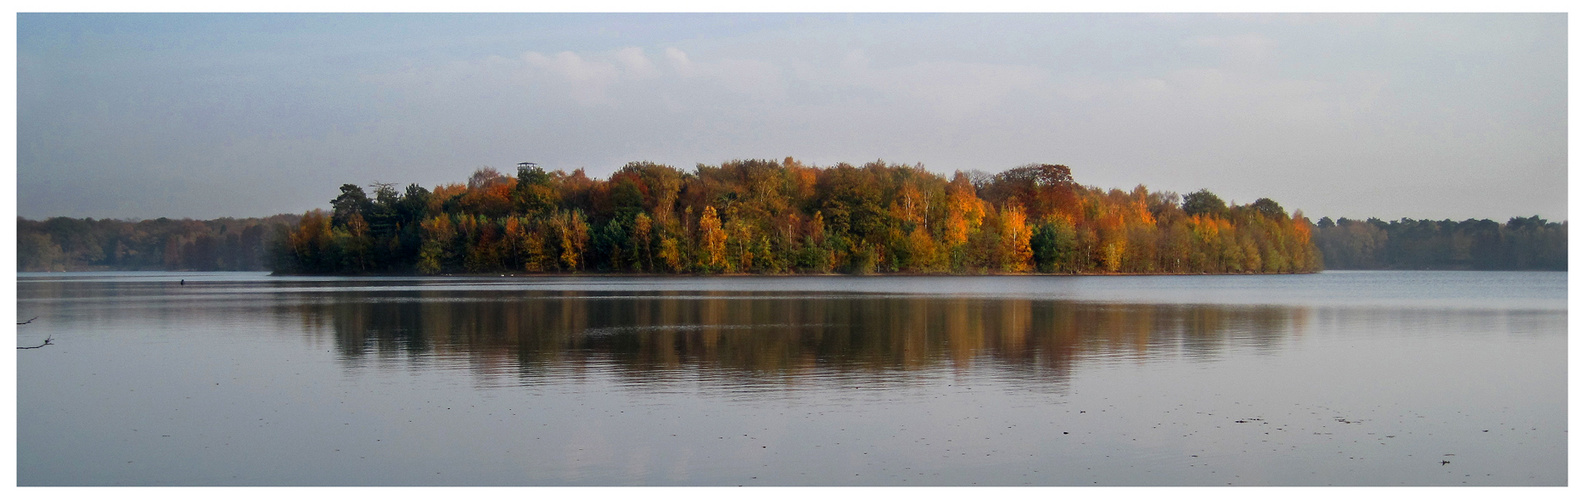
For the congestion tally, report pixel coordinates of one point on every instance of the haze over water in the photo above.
(1339, 378)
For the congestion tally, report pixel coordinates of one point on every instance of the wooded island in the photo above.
(769, 217)
(784, 217)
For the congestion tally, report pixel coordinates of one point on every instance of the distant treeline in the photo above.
(67, 244)
(763, 216)
(766, 217)
(1520, 244)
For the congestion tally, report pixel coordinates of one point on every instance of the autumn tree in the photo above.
(713, 241)
(766, 216)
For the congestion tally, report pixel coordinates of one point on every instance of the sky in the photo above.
(139, 116)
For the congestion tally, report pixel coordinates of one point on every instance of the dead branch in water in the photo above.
(47, 341)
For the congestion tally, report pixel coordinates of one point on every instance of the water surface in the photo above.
(1340, 378)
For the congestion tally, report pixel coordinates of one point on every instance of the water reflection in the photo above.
(766, 335)
(863, 382)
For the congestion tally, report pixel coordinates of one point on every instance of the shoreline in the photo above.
(783, 275)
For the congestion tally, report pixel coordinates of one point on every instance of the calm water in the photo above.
(1341, 378)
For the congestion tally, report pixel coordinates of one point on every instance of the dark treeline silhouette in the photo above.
(1519, 244)
(761, 216)
(67, 244)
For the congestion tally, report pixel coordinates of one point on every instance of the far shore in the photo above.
(760, 275)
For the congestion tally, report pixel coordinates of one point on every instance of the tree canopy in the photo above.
(768, 216)
(776, 217)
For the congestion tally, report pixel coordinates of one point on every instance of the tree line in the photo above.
(1519, 244)
(770, 217)
(227, 244)
(760, 216)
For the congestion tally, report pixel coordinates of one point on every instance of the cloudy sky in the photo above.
(1423, 116)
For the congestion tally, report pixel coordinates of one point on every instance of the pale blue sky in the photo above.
(1422, 116)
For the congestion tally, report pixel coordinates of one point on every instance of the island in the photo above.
(771, 217)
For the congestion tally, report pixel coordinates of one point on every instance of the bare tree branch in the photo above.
(47, 341)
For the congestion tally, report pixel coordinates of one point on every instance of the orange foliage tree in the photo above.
(784, 216)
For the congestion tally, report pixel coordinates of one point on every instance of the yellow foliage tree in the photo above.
(713, 241)
(965, 211)
(1014, 239)
(924, 254)
(572, 235)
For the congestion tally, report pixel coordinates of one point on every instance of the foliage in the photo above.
(766, 216)
(1204, 202)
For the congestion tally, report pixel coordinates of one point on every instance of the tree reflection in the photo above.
(643, 336)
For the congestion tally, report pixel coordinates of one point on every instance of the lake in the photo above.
(1338, 378)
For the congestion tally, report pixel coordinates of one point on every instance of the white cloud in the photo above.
(744, 77)
(587, 80)
(1206, 99)
(636, 64)
(678, 59)
(951, 88)
(569, 65)
(966, 87)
